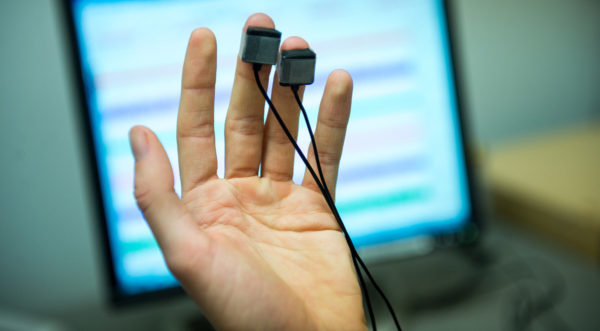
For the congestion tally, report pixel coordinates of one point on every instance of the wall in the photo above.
(46, 238)
(529, 66)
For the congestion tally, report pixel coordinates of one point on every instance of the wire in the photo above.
(326, 194)
(331, 203)
(329, 199)
(362, 284)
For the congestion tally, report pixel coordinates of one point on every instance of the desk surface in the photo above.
(485, 296)
(478, 296)
(551, 184)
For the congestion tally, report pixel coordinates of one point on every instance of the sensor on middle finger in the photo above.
(260, 45)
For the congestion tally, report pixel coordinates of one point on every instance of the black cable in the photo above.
(335, 211)
(331, 204)
(256, 68)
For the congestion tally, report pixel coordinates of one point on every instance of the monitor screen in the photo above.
(402, 172)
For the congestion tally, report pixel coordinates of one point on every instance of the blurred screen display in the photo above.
(402, 171)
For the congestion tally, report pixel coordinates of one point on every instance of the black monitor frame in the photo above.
(116, 297)
(465, 238)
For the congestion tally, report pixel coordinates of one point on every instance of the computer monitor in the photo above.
(403, 176)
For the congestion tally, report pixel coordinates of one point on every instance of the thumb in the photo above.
(153, 185)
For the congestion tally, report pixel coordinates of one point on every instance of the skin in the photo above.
(254, 251)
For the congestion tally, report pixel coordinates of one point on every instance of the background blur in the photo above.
(530, 69)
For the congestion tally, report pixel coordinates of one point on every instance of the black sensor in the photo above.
(260, 45)
(296, 67)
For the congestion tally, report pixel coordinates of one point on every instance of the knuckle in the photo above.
(143, 196)
(327, 158)
(277, 143)
(199, 130)
(277, 174)
(246, 126)
(335, 120)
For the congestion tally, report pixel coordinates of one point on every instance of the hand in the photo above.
(254, 252)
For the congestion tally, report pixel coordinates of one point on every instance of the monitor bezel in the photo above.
(473, 226)
(117, 297)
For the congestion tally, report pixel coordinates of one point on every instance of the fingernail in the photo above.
(139, 143)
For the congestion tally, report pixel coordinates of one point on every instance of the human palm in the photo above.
(254, 252)
(275, 249)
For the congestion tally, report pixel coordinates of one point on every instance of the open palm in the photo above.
(254, 252)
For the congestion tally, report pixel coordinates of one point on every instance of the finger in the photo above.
(153, 185)
(245, 116)
(195, 120)
(278, 153)
(334, 113)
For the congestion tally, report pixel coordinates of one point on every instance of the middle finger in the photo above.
(245, 116)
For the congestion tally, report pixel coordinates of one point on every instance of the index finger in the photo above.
(195, 120)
